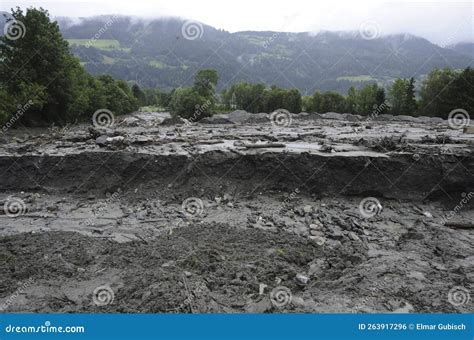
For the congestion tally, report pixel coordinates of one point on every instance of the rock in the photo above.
(332, 115)
(174, 121)
(239, 116)
(301, 229)
(468, 129)
(404, 118)
(307, 209)
(353, 236)
(261, 306)
(143, 140)
(425, 119)
(335, 232)
(428, 214)
(316, 232)
(216, 119)
(316, 268)
(350, 117)
(301, 279)
(131, 121)
(412, 235)
(383, 117)
(101, 140)
(117, 140)
(319, 240)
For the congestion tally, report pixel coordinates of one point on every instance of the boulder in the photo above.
(404, 118)
(216, 119)
(332, 115)
(174, 121)
(239, 116)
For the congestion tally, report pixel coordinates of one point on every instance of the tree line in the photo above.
(442, 91)
(42, 83)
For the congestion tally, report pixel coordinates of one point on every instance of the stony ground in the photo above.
(347, 215)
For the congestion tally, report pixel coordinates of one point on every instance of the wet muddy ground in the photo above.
(318, 215)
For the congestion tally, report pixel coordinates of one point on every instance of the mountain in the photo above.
(156, 53)
(464, 48)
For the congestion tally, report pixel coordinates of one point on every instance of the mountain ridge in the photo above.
(156, 53)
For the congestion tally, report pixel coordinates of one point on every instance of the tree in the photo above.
(205, 82)
(245, 96)
(367, 99)
(316, 102)
(436, 91)
(332, 102)
(351, 100)
(47, 76)
(409, 101)
(188, 103)
(397, 94)
(117, 95)
(292, 101)
(39, 69)
(138, 94)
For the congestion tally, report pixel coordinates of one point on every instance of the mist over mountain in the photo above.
(156, 53)
(464, 48)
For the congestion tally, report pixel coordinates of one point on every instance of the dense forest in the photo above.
(43, 83)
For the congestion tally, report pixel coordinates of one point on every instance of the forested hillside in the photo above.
(156, 54)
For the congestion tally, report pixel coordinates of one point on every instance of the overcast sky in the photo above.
(443, 22)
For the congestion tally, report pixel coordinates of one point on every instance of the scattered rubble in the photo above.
(211, 216)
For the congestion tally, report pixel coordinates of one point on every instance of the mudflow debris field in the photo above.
(238, 213)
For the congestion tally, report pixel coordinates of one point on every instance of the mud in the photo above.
(189, 218)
